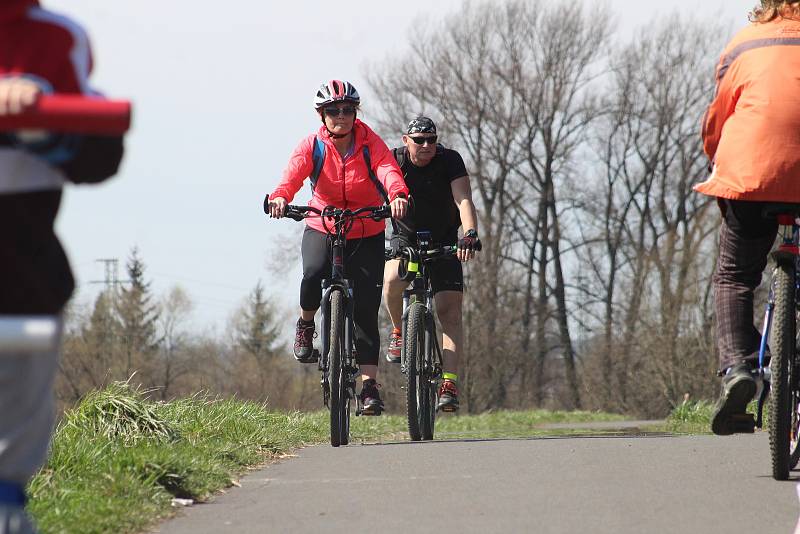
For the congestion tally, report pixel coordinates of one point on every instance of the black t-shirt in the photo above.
(435, 209)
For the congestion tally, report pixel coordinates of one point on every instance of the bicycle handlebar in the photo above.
(298, 213)
(432, 254)
(446, 250)
(76, 114)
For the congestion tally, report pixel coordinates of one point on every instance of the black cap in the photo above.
(421, 125)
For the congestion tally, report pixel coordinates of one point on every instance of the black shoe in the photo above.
(371, 403)
(304, 342)
(448, 397)
(730, 413)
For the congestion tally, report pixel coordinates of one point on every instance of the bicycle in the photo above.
(337, 362)
(421, 355)
(780, 379)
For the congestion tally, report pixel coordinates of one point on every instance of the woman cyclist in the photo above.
(344, 182)
(750, 133)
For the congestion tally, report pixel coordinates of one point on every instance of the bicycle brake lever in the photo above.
(294, 215)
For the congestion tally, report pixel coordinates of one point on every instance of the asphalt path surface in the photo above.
(584, 484)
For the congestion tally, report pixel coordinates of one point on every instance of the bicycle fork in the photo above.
(763, 374)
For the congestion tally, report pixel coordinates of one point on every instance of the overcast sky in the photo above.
(222, 95)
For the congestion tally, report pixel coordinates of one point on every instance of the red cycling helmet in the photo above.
(336, 91)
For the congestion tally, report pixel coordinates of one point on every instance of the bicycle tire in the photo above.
(427, 386)
(413, 347)
(783, 348)
(338, 399)
(794, 437)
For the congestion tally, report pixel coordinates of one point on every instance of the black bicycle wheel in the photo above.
(338, 400)
(414, 347)
(427, 387)
(794, 438)
(783, 348)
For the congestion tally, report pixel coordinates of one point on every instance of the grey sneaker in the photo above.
(304, 342)
(730, 413)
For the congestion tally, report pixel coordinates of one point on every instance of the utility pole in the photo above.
(111, 274)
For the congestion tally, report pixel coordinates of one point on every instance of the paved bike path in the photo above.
(598, 484)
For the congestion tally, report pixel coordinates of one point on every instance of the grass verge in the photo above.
(117, 460)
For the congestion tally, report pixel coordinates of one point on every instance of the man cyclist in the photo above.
(750, 133)
(439, 185)
(42, 53)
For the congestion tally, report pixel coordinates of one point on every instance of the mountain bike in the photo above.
(781, 378)
(421, 355)
(337, 362)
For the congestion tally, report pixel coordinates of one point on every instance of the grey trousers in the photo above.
(746, 238)
(26, 412)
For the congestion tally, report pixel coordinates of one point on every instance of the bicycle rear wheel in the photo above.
(339, 404)
(427, 386)
(781, 411)
(414, 347)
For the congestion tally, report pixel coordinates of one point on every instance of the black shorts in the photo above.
(446, 275)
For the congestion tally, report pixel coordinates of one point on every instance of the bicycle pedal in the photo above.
(744, 423)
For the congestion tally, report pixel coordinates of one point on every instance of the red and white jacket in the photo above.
(344, 184)
(35, 277)
(54, 51)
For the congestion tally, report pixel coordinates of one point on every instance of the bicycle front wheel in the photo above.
(414, 348)
(781, 410)
(340, 413)
(427, 385)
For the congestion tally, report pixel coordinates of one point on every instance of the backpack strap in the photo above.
(378, 185)
(372, 176)
(318, 157)
(399, 155)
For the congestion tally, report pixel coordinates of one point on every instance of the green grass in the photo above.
(690, 417)
(117, 460)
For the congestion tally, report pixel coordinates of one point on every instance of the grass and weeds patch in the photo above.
(690, 417)
(118, 460)
(508, 424)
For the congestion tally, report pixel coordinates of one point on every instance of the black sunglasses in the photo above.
(421, 140)
(338, 112)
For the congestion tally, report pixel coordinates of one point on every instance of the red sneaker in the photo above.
(448, 397)
(395, 346)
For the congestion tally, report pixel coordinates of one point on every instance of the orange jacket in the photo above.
(344, 184)
(751, 130)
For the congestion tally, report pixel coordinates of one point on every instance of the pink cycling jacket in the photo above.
(344, 184)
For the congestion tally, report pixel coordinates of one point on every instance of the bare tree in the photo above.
(644, 229)
(176, 307)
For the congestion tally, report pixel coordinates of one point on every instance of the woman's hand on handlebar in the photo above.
(277, 207)
(17, 94)
(399, 207)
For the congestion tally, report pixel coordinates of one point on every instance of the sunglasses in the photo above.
(338, 112)
(422, 140)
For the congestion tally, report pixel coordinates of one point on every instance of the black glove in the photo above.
(470, 241)
(398, 242)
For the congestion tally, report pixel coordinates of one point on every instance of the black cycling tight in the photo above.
(364, 268)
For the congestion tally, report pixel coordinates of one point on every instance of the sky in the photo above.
(222, 95)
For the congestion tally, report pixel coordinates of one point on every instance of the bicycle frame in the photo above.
(788, 250)
(420, 288)
(337, 281)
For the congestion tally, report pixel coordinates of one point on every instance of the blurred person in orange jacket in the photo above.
(751, 133)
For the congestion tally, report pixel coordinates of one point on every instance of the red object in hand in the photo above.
(76, 114)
